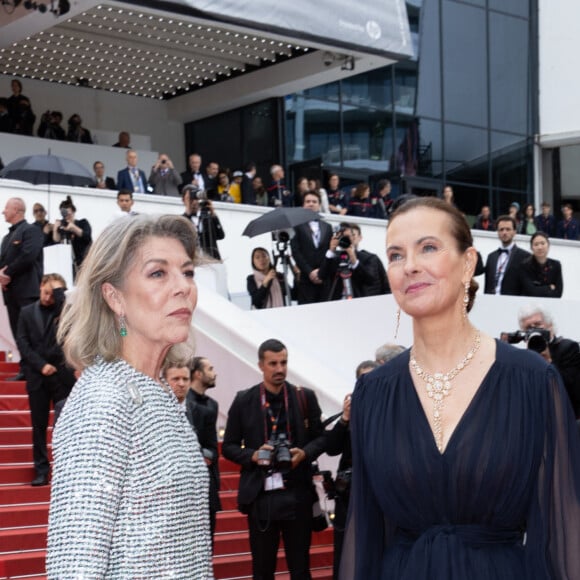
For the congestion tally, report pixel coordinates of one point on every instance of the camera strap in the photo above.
(274, 419)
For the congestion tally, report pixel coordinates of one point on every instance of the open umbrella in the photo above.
(280, 218)
(49, 169)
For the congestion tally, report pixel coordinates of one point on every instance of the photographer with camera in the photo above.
(537, 330)
(201, 212)
(274, 432)
(69, 230)
(164, 178)
(355, 273)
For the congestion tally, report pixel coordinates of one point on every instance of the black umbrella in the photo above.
(280, 218)
(49, 169)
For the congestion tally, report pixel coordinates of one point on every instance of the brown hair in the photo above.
(460, 229)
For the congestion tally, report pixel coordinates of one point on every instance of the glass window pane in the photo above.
(429, 82)
(465, 150)
(516, 7)
(509, 87)
(464, 54)
(511, 162)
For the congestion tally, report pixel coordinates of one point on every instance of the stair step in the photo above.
(21, 516)
(14, 403)
(19, 453)
(12, 387)
(17, 494)
(14, 565)
(20, 435)
(22, 473)
(16, 418)
(21, 539)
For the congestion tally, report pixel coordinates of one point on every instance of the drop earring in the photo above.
(465, 298)
(397, 322)
(122, 326)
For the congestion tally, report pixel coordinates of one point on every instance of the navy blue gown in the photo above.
(501, 502)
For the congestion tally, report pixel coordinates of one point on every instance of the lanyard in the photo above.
(269, 415)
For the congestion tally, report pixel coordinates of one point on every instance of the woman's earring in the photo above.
(398, 321)
(465, 298)
(122, 326)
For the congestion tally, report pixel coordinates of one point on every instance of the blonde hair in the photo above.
(89, 327)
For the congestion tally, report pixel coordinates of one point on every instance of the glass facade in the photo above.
(461, 113)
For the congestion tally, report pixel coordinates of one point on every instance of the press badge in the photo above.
(273, 482)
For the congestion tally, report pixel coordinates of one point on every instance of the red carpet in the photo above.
(24, 509)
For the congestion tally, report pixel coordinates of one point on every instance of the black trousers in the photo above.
(39, 400)
(265, 540)
(13, 306)
(339, 523)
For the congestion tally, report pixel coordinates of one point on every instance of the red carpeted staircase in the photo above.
(24, 509)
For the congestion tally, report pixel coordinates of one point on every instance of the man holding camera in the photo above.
(538, 327)
(201, 212)
(164, 178)
(354, 273)
(274, 432)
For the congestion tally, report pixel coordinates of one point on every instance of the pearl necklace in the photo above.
(439, 386)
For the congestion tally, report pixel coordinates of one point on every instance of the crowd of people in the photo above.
(142, 500)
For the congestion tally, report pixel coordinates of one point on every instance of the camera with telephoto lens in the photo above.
(537, 339)
(344, 241)
(279, 457)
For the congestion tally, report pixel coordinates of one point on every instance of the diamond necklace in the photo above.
(439, 386)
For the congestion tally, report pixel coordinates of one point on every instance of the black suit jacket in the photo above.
(245, 433)
(565, 355)
(21, 251)
(511, 283)
(110, 184)
(248, 193)
(537, 279)
(211, 232)
(307, 256)
(202, 413)
(38, 346)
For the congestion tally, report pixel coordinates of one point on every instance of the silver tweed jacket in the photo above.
(130, 487)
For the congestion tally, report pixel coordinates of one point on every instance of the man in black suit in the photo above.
(274, 432)
(47, 376)
(309, 246)
(563, 353)
(193, 175)
(21, 261)
(502, 265)
(202, 412)
(101, 180)
(203, 216)
(247, 187)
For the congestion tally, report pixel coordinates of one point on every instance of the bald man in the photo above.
(21, 261)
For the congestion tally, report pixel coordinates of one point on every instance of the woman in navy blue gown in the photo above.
(466, 454)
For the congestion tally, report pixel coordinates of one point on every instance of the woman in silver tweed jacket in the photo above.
(130, 487)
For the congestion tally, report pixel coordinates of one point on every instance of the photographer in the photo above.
(274, 432)
(76, 132)
(164, 178)
(354, 273)
(69, 230)
(201, 212)
(537, 329)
